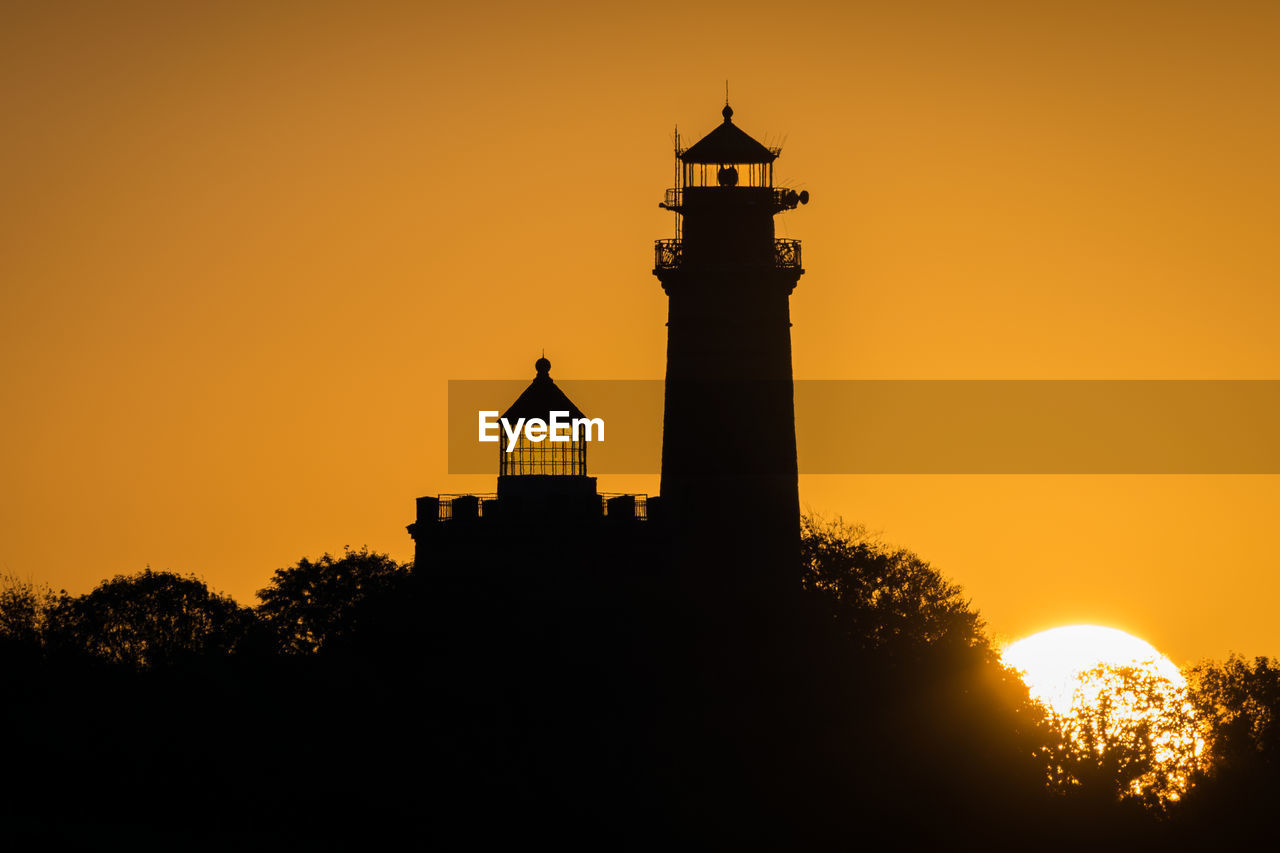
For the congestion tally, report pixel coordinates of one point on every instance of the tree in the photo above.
(886, 599)
(1239, 703)
(1233, 802)
(148, 619)
(1131, 732)
(315, 605)
(913, 695)
(24, 610)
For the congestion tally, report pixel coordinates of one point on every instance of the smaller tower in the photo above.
(546, 508)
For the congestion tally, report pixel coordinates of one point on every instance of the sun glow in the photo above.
(1120, 703)
(1052, 661)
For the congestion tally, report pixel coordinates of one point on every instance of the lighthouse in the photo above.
(729, 475)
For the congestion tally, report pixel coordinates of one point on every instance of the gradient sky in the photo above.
(243, 245)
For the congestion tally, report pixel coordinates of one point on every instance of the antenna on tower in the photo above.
(726, 93)
(679, 184)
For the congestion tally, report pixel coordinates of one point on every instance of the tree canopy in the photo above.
(886, 598)
(147, 619)
(317, 603)
(882, 713)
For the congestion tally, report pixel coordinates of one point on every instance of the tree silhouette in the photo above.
(316, 604)
(916, 699)
(24, 611)
(1131, 732)
(886, 599)
(148, 619)
(1233, 801)
(882, 713)
(1240, 705)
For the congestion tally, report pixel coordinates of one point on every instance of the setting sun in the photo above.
(1052, 662)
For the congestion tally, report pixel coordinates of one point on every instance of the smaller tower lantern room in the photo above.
(544, 464)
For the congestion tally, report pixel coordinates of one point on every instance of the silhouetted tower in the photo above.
(546, 511)
(729, 445)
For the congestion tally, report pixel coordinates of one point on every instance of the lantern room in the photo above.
(724, 201)
(727, 157)
(541, 463)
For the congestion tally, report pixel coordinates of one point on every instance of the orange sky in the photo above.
(244, 245)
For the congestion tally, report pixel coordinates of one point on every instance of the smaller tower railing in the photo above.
(619, 506)
(623, 507)
(469, 506)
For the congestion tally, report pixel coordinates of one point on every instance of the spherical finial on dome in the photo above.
(543, 366)
(727, 112)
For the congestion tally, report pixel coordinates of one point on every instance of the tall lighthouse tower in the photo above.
(729, 487)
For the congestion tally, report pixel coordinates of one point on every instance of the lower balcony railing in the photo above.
(669, 254)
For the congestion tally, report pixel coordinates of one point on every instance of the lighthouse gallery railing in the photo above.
(669, 254)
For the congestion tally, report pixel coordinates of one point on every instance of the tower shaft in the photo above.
(729, 475)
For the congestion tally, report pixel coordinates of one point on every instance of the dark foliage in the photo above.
(1233, 800)
(24, 611)
(1240, 703)
(886, 599)
(316, 605)
(143, 620)
(572, 700)
(925, 707)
